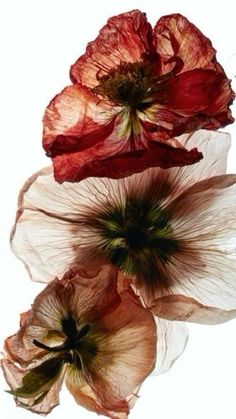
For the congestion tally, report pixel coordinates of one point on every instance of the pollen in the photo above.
(129, 84)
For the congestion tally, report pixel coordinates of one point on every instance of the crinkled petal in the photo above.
(87, 298)
(78, 166)
(176, 37)
(195, 99)
(126, 356)
(75, 119)
(180, 307)
(125, 38)
(172, 338)
(19, 347)
(41, 404)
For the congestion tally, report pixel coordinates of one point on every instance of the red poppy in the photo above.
(134, 90)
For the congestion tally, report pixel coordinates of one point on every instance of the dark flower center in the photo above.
(130, 84)
(77, 343)
(137, 237)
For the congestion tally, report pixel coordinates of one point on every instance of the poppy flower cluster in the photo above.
(133, 228)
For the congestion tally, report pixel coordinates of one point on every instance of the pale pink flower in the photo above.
(171, 232)
(80, 330)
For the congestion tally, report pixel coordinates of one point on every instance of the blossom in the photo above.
(171, 232)
(80, 331)
(134, 90)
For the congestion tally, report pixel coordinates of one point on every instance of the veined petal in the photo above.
(172, 338)
(75, 119)
(49, 236)
(179, 307)
(126, 355)
(44, 402)
(214, 147)
(196, 99)
(85, 396)
(86, 298)
(78, 166)
(19, 347)
(125, 38)
(204, 223)
(176, 37)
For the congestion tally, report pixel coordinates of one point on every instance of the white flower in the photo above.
(172, 232)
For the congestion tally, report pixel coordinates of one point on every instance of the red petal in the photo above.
(125, 38)
(193, 100)
(78, 166)
(196, 91)
(176, 37)
(75, 119)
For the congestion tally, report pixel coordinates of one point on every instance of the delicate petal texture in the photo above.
(135, 90)
(195, 99)
(19, 346)
(176, 37)
(79, 328)
(204, 221)
(78, 166)
(125, 38)
(171, 341)
(74, 120)
(179, 307)
(14, 375)
(50, 235)
(121, 365)
(86, 297)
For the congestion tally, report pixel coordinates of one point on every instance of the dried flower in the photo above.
(134, 90)
(171, 232)
(80, 330)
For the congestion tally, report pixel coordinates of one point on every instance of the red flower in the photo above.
(133, 91)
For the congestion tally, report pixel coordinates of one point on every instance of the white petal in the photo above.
(48, 235)
(214, 146)
(204, 221)
(172, 338)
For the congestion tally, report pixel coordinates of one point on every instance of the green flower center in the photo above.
(130, 84)
(136, 237)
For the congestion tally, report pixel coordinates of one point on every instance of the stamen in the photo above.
(130, 84)
(59, 348)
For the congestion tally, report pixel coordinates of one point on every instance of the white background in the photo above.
(40, 39)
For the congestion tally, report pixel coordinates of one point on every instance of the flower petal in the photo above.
(180, 307)
(214, 147)
(176, 37)
(78, 166)
(86, 298)
(172, 338)
(204, 223)
(126, 356)
(19, 347)
(42, 404)
(75, 119)
(125, 38)
(196, 99)
(48, 235)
